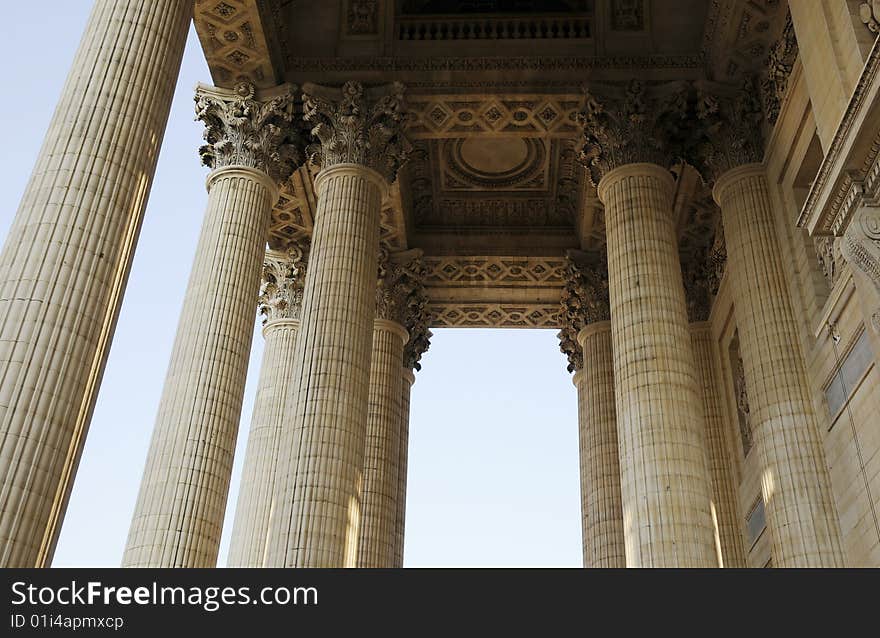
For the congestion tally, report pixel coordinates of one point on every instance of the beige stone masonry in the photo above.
(182, 501)
(832, 52)
(409, 378)
(795, 481)
(256, 495)
(381, 483)
(725, 513)
(280, 305)
(601, 508)
(320, 462)
(664, 479)
(65, 263)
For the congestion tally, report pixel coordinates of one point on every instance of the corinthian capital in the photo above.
(284, 274)
(400, 297)
(243, 128)
(628, 125)
(357, 125)
(730, 131)
(584, 301)
(398, 285)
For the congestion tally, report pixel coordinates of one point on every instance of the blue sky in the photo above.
(493, 467)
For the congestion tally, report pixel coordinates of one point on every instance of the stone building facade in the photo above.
(689, 196)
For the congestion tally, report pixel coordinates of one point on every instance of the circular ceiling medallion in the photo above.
(495, 162)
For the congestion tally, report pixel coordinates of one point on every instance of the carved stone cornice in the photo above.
(246, 128)
(730, 131)
(357, 125)
(281, 293)
(780, 62)
(584, 301)
(625, 125)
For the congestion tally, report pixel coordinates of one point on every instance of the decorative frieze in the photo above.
(243, 128)
(627, 125)
(494, 315)
(357, 125)
(780, 62)
(284, 274)
(730, 131)
(510, 271)
(584, 301)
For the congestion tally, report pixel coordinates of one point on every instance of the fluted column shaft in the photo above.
(725, 513)
(182, 500)
(795, 482)
(402, 463)
(379, 507)
(664, 484)
(321, 459)
(65, 263)
(256, 496)
(601, 509)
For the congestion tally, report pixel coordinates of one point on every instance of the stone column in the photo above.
(280, 303)
(702, 276)
(409, 378)
(795, 481)
(664, 480)
(586, 340)
(419, 341)
(65, 263)
(182, 500)
(321, 460)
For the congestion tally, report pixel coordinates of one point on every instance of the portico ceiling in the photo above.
(493, 193)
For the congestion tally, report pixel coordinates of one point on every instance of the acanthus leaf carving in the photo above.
(400, 297)
(584, 301)
(357, 125)
(243, 128)
(780, 62)
(635, 125)
(281, 292)
(730, 131)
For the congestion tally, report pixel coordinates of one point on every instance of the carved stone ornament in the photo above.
(869, 12)
(626, 125)
(860, 247)
(281, 293)
(243, 128)
(730, 131)
(717, 259)
(357, 125)
(741, 396)
(780, 62)
(400, 297)
(829, 256)
(695, 276)
(702, 276)
(584, 301)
